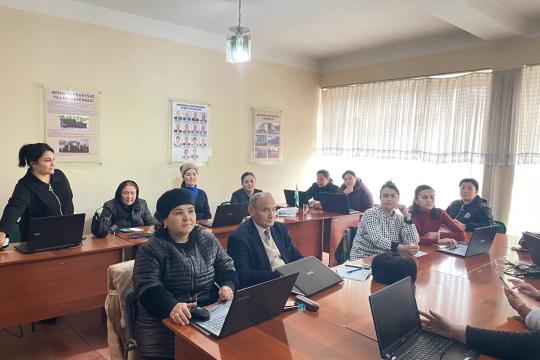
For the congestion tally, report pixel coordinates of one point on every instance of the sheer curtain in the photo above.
(436, 119)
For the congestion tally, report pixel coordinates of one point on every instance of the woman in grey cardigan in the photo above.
(176, 271)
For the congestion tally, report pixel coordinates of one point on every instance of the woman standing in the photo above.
(43, 191)
(358, 194)
(176, 270)
(381, 229)
(190, 176)
(429, 219)
(243, 194)
(127, 209)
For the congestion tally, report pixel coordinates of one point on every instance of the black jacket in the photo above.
(250, 259)
(33, 198)
(314, 191)
(201, 204)
(240, 196)
(504, 344)
(136, 215)
(165, 274)
(360, 198)
(475, 214)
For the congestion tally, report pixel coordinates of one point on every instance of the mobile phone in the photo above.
(505, 284)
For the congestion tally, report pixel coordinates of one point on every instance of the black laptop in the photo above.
(289, 197)
(228, 214)
(399, 330)
(53, 232)
(249, 307)
(313, 276)
(480, 243)
(336, 203)
(533, 245)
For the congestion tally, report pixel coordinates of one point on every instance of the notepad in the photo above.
(360, 275)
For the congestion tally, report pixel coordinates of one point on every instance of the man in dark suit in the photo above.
(260, 244)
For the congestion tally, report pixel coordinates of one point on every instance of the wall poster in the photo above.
(189, 135)
(267, 139)
(72, 124)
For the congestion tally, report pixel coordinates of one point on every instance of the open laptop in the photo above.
(480, 243)
(53, 232)
(533, 245)
(313, 275)
(336, 203)
(249, 306)
(289, 197)
(228, 214)
(399, 330)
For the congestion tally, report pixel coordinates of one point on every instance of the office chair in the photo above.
(343, 250)
(130, 311)
(501, 227)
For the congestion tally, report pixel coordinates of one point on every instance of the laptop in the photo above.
(533, 245)
(399, 330)
(313, 275)
(228, 214)
(53, 232)
(302, 198)
(480, 243)
(249, 306)
(336, 203)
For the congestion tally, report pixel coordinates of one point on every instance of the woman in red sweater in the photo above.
(428, 220)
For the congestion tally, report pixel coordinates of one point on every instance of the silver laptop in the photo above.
(480, 243)
(399, 331)
(249, 306)
(313, 276)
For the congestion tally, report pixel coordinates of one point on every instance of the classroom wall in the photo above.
(137, 76)
(501, 55)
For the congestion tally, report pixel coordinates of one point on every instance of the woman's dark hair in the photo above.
(415, 209)
(470, 180)
(247, 173)
(326, 174)
(32, 152)
(389, 185)
(348, 172)
(120, 188)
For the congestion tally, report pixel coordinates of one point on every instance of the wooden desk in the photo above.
(465, 290)
(55, 283)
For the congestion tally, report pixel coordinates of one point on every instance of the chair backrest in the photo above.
(501, 227)
(130, 313)
(343, 250)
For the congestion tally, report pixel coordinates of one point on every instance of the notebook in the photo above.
(480, 243)
(302, 197)
(399, 331)
(533, 245)
(249, 307)
(53, 232)
(336, 203)
(228, 214)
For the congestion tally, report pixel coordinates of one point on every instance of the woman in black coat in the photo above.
(43, 191)
(247, 190)
(324, 183)
(359, 196)
(176, 270)
(127, 209)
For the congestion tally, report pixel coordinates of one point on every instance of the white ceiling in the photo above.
(321, 35)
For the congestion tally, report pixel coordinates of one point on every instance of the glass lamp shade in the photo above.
(238, 46)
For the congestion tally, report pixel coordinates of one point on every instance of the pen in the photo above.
(353, 270)
(219, 287)
(355, 266)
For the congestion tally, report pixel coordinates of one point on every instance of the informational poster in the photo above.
(189, 132)
(267, 139)
(72, 124)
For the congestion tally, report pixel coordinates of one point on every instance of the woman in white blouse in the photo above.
(382, 229)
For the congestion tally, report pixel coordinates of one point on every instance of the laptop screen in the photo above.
(396, 326)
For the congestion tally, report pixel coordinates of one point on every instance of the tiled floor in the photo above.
(82, 337)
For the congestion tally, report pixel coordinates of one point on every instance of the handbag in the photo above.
(101, 222)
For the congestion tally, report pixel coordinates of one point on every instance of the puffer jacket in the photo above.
(475, 214)
(122, 216)
(166, 274)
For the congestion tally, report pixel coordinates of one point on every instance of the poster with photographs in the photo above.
(189, 132)
(72, 124)
(267, 140)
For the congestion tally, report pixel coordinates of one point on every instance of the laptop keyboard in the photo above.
(427, 347)
(215, 324)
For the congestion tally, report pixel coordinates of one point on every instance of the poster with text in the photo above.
(189, 124)
(72, 124)
(267, 139)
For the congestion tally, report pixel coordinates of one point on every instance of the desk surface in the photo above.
(463, 289)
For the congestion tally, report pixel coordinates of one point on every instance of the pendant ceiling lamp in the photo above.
(238, 46)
